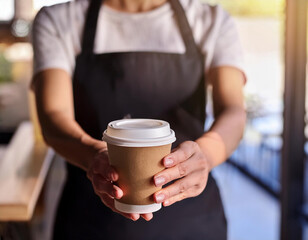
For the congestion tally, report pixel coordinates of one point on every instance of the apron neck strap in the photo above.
(89, 31)
(185, 29)
(90, 25)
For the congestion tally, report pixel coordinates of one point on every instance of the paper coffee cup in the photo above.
(136, 148)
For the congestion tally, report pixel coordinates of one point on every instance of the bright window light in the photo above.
(37, 4)
(6, 10)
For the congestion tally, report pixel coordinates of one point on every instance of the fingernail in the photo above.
(159, 198)
(135, 218)
(159, 181)
(118, 193)
(166, 203)
(168, 162)
(113, 176)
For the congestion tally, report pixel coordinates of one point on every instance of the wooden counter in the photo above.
(23, 169)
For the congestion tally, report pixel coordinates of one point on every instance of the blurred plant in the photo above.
(5, 69)
(258, 8)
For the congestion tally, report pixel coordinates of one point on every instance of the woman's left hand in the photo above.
(188, 165)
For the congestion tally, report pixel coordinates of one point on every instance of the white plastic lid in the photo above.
(139, 133)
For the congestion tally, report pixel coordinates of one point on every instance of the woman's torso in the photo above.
(81, 214)
(156, 30)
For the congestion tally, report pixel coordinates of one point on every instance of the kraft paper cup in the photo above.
(136, 148)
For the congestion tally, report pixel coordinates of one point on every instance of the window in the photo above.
(37, 4)
(261, 26)
(7, 10)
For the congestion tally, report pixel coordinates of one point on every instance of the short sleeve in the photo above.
(48, 47)
(228, 49)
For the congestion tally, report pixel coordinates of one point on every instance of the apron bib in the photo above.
(165, 86)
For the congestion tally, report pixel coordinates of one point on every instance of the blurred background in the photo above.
(257, 182)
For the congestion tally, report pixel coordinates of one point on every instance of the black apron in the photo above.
(110, 86)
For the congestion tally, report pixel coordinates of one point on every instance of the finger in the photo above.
(98, 165)
(102, 157)
(109, 202)
(90, 173)
(100, 186)
(196, 181)
(103, 168)
(194, 163)
(147, 216)
(180, 154)
(178, 197)
(108, 172)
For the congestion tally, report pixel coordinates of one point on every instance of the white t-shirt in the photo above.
(57, 32)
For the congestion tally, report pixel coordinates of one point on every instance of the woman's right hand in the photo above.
(102, 176)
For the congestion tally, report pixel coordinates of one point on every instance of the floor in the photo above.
(252, 214)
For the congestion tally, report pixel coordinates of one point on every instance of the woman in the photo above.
(98, 61)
